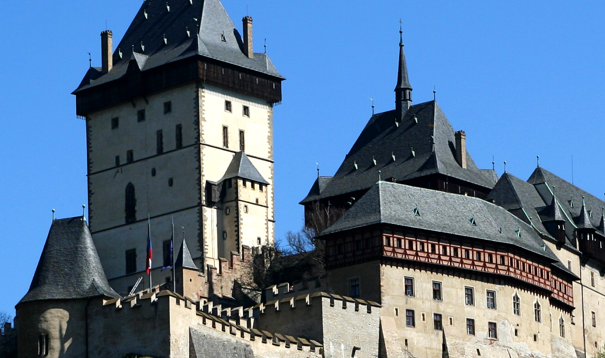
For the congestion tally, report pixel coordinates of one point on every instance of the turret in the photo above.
(554, 221)
(403, 90)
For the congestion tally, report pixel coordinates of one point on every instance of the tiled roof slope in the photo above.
(167, 31)
(184, 259)
(422, 144)
(242, 167)
(392, 203)
(69, 267)
(523, 199)
(568, 195)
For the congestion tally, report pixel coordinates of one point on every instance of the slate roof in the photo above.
(392, 203)
(242, 167)
(569, 196)
(404, 151)
(525, 201)
(317, 188)
(69, 267)
(158, 36)
(184, 259)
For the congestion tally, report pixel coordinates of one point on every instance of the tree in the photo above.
(4, 318)
(601, 353)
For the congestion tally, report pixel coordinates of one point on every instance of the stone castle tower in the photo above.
(179, 127)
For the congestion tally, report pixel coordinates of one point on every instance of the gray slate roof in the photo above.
(392, 203)
(211, 35)
(242, 167)
(404, 151)
(69, 267)
(184, 259)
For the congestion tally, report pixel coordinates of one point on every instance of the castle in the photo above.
(426, 254)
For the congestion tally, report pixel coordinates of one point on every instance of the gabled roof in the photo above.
(242, 167)
(168, 31)
(184, 259)
(569, 196)
(436, 211)
(69, 267)
(422, 144)
(317, 188)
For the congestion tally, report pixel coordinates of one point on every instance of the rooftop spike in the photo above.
(403, 89)
(53, 214)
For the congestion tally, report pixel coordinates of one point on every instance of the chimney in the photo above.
(107, 50)
(461, 148)
(248, 37)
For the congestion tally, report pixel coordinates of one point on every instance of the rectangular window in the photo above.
(455, 254)
(433, 249)
(410, 245)
(409, 286)
(469, 296)
(131, 261)
(242, 142)
(437, 321)
(228, 106)
(167, 253)
(594, 319)
(502, 262)
(115, 123)
(421, 246)
(225, 137)
(492, 330)
(117, 160)
(491, 299)
(478, 256)
(592, 281)
(354, 289)
(443, 250)
(516, 305)
(437, 291)
(410, 320)
(159, 142)
(490, 258)
(569, 264)
(167, 107)
(246, 111)
(129, 156)
(178, 136)
(141, 115)
(43, 343)
(467, 254)
(470, 326)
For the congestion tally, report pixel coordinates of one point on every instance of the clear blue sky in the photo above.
(521, 78)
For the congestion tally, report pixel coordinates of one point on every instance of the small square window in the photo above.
(178, 134)
(115, 122)
(170, 182)
(246, 111)
(153, 172)
(258, 240)
(167, 107)
(141, 115)
(491, 299)
(492, 330)
(437, 322)
(469, 296)
(129, 156)
(437, 291)
(117, 160)
(228, 106)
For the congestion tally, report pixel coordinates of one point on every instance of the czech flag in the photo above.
(149, 248)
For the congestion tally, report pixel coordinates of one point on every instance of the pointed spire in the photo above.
(602, 223)
(184, 259)
(554, 211)
(403, 90)
(584, 218)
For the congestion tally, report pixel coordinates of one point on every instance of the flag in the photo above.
(149, 248)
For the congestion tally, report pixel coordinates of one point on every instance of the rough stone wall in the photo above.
(226, 279)
(8, 342)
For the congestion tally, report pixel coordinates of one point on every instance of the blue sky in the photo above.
(521, 78)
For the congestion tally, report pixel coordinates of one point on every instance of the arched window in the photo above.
(537, 312)
(130, 207)
(562, 327)
(516, 305)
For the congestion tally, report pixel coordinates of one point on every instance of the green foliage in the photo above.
(601, 352)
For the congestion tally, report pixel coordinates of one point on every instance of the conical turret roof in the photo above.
(553, 213)
(184, 258)
(583, 221)
(69, 267)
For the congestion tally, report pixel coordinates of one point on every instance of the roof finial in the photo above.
(89, 60)
(317, 163)
(400, 33)
(83, 212)
(53, 214)
(434, 94)
(403, 89)
(265, 46)
(379, 178)
(505, 166)
(372, 99)
(493, 163)
(538, 160)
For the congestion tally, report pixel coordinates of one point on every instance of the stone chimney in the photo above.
(461, 148)
(248, 50)
(107, 50)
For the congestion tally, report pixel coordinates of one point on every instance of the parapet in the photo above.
(308, 286)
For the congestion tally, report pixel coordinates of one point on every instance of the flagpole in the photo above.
(149, 248)
(172, 258)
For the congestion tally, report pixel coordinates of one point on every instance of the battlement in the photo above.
(286, 289)
(236, 322)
